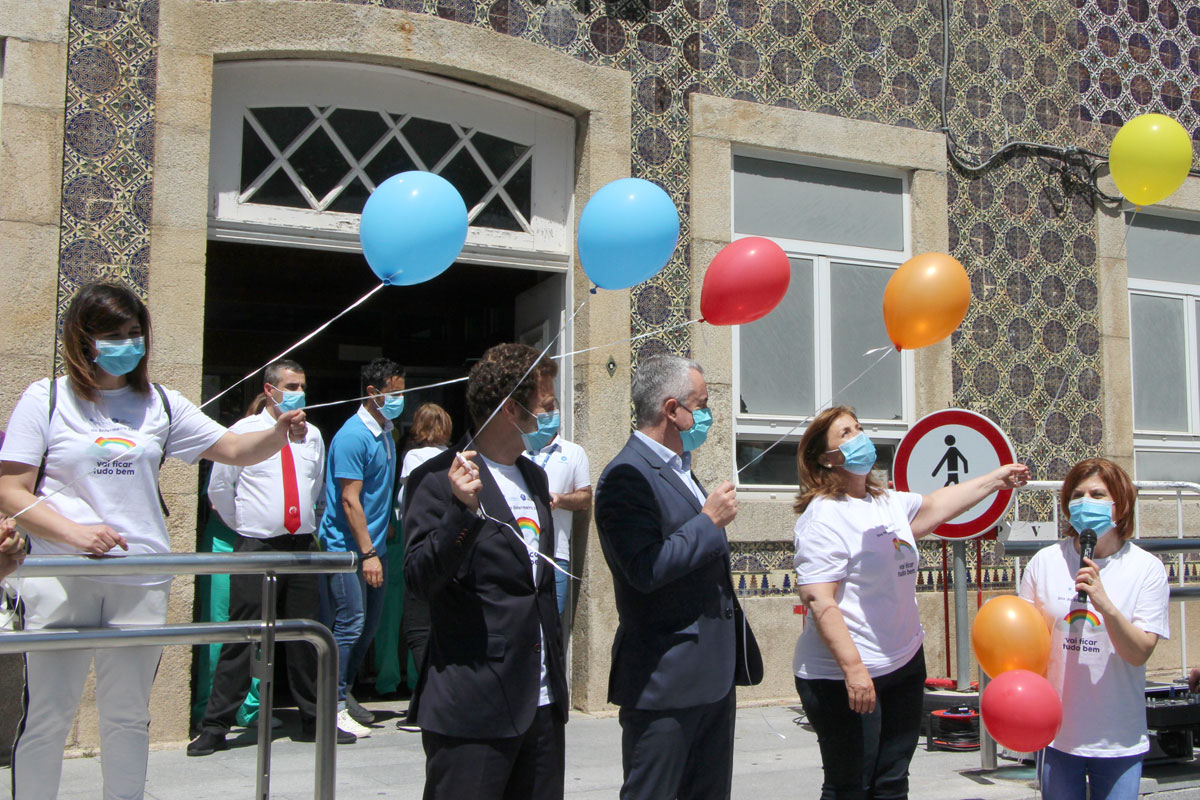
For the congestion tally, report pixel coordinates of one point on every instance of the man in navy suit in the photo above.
(492, 698)
(682, 638)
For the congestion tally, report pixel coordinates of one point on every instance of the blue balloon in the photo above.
(413, 227)
(627, 233)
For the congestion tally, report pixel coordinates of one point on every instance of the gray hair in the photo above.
(657, 379)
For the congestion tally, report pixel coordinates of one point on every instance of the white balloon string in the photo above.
(256, 371)
(828, 404)
(532, 364)
(166, 428)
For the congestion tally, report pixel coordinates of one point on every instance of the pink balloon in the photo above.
(744, 282)
(1021, 710)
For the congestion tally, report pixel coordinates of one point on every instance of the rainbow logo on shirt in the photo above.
(529, 528)
(1077, 614)
(124, 444)
(108, 447)
(903, 548)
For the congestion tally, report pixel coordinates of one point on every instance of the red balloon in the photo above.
(1021, 710)
(745, 282)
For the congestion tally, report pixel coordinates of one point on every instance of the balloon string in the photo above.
(1075, 350)
(332, 320)
(532, 364)
(829, 403)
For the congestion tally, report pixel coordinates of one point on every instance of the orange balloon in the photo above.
(925, 300)
(1009, 633)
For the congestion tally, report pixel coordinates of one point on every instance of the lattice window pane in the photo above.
(431, 140)
(500, 154)
(280, 191)
(352, 199)
(497, 215)
(283, 125)
(520, 189)
(391, 160)
(358, 130)
(319, 164)
(467, 177)
(256, 157)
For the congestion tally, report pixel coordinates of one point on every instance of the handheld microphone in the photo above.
(1087, 545)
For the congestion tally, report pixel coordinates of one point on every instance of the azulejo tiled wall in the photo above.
(108, 150)
(1036, 70)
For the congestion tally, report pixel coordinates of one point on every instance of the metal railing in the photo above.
(264, 632)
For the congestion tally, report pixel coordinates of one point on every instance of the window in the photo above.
(1164, 314)
(299, 146)
(845, 232)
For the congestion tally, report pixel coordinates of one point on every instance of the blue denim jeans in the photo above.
(1066, 777)
(561, 583)
(355, 610)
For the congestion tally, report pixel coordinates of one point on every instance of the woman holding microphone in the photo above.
(860, 669)
(91, 443)
(1099, 647)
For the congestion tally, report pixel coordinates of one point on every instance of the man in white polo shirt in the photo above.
(566, 466)
(272, 506)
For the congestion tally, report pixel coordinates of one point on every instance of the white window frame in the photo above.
(771, 427)
(1159, 441)
(255, 84)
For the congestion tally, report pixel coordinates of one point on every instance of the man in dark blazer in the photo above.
(682, 638)
(492, 698)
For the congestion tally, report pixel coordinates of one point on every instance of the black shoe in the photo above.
(207, 743)
(308, 733)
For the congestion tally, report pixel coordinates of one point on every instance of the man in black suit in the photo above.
(492, 699)
(682, 639)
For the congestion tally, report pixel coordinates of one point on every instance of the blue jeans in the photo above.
(561, 583)
(355, 610)
(1065, 776)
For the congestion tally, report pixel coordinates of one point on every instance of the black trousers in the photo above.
(866, 756)
(297, 598)
(684, 753)
(527, 767)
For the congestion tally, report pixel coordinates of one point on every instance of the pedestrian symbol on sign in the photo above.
(950, 460)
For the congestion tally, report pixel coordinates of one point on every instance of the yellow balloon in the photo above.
(1150, 158)
(925, 300)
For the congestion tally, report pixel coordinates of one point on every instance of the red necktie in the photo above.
(291, 494)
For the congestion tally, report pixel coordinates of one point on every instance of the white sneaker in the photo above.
(347, 723)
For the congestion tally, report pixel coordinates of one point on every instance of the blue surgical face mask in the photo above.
(292, 401)
(547, 429)
(393, 406)
(859, 453)
(1088, 513)
(694, 436)
(118, 357)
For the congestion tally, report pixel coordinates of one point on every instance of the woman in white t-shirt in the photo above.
(91, 444)
(860, 667)
(1098, 648)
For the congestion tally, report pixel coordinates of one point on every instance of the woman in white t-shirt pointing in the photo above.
(860, 668)
(1098, 648)
(92, 444)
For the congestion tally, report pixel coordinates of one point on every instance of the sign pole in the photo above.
(962, 633)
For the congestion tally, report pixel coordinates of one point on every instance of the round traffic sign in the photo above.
(949, 447)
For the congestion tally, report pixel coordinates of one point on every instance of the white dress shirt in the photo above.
(250, 499)
(681, 465)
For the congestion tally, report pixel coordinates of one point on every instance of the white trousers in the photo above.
(54, 682)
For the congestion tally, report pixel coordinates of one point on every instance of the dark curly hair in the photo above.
(496, 375)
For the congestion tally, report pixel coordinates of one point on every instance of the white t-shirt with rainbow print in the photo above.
(867, 547)
(1104, 706)
(516, 494)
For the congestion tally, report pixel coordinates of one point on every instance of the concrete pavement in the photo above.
(774, 757)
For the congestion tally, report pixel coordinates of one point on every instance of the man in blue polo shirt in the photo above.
(359, 481)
